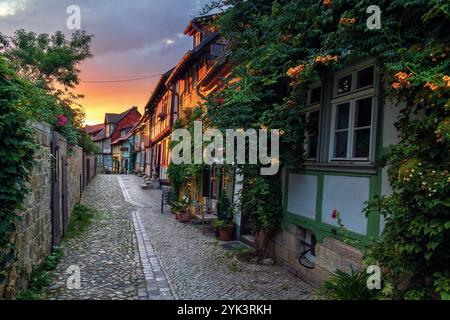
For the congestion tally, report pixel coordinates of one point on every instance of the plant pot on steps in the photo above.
(226, 234)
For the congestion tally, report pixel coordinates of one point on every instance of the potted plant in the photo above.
(225, 228)
(181, 209)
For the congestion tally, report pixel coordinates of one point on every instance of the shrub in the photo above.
(348, 286)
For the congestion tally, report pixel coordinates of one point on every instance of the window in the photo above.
(312, 99)
(194, 75)
(187, 82)
(353, 116)
(197, 39)
(311, 133)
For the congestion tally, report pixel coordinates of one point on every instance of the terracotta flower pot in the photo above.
(226, 234)
(183, 217)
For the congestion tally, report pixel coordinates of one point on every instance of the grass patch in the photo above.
(53, 259)
(39, 280)
(246, 254)
(81, 219)
(234, 267)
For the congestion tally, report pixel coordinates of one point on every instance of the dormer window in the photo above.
(197, 39)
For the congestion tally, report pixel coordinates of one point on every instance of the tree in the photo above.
(50, 62)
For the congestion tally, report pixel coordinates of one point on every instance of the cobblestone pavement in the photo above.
(132, 251)
(197, 266)
(107, 252)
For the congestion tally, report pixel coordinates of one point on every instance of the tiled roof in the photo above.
(94, 128)
(100, 136)
(117, 117)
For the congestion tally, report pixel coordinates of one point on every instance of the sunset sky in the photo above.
(132, 39)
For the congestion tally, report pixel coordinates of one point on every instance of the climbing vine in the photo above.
(186, 176)
(282, 47)
(16, 160)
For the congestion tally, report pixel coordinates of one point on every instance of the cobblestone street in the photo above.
(132, 251)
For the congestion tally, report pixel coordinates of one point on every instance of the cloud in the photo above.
(10, 7)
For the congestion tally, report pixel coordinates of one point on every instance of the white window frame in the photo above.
(351, 97)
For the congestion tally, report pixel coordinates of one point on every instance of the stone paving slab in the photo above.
(157, 284)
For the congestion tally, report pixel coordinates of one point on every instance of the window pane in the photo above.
(363, 113)
(342, 115)
(315, 95)
(365, 77)
(344, 84)
(362, 143)
(313, 134)
(340, 144)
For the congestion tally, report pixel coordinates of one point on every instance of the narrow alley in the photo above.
(132, 251)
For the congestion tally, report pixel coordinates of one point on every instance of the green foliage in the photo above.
(81, 219)
(85, 142)
(16, 161)
(53, 259)
(181, 205)
(38, 281)
(348, 286)
(278, 51)
(224, 208)
(222, 224)
(261, 202)
(48, 63)
(185, 175)
(47, 60)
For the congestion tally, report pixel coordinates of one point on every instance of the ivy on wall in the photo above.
(16, 160)
(282, 47)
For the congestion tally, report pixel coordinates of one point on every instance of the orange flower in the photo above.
(401, 76)
(446, 78)
(326, 59)
(397, 85)
(402, 80)
(327, 2)
(295, 72)
(432, 86)
(347, 21)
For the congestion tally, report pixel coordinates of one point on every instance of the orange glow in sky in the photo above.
(101, 98)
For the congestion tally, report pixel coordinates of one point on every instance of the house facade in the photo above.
(349, 127)
(114, 126)
(123, 161)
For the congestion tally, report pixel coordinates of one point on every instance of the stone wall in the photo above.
(331, 254)
(33, 239)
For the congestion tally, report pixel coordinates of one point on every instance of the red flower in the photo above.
(62, 120)
(220, 100)
(334, 215)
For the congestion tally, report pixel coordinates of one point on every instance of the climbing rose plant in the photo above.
(280, 48)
